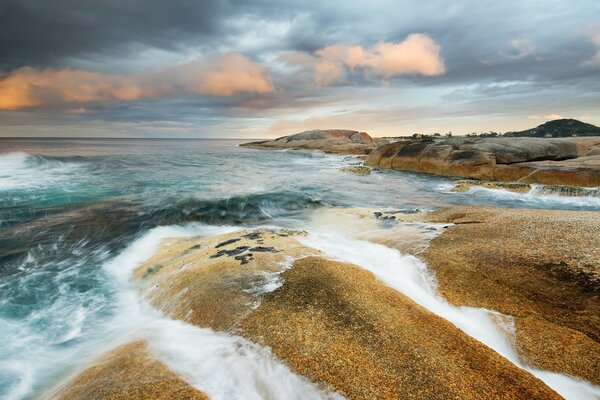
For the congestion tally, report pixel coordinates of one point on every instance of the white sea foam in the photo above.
(20, 170)
(409, 276)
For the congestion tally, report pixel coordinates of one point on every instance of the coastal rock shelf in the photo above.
(338, 141)
(541, 267)
(343, 328)
(128, 372)
(570, 161)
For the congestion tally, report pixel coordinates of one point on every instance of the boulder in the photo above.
(528, 160)
(338, 141)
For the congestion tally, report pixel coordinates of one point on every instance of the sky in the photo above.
(262, 68)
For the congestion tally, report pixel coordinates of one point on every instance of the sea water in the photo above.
(76, 216)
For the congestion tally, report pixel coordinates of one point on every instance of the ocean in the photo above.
(76, 215)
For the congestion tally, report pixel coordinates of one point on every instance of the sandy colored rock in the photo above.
(399, 229)
(566, 161)
(542, 267)
(336, 323)
(128, 373)
(466, 185)
(356, 170)
(190, 281)
(338, 141)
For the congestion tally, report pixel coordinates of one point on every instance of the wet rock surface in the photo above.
(466, 185)
(542, 267)
(130, 373)
(356, 170)
(332, 322)
(216, 287)
(337, 324)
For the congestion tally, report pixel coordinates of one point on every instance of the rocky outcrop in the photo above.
(526, 160)
(336, 141)
(356, 170)
(332, 322)
(466, 185)
(338, 325)
(541, 267)
(128, 373)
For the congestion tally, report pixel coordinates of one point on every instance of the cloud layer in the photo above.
(150, 67)
(223, 76)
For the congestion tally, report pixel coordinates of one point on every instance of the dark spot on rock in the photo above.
(378, 214)
(244, 258)
(225, 243)
(236, 251)
(152, 270)
(253, 235)
(262, 249)
(410, 211)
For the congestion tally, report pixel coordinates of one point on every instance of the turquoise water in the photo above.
(68, 207)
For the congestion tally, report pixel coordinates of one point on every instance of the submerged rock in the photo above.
(357, 170)
(466, 185)
(338, 141)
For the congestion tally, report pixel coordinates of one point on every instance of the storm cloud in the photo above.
(257, 68)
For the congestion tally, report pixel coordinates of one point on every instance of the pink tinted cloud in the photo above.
(417, 54)
(227, 75)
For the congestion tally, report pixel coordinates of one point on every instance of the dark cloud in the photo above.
(41, 32)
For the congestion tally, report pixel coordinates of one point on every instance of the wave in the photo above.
(111, 224)
(247, 209)
(19, 170)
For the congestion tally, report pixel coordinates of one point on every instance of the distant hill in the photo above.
(559, 128)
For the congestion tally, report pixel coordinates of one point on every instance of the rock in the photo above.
(336, 141)
(128, 372)
(527, 160)
(332, 322)
(541, 267)
(337, 324)
(210, 287)
(466, 185)
(357, 170)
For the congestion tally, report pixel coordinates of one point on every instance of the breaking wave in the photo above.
(19, 170)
